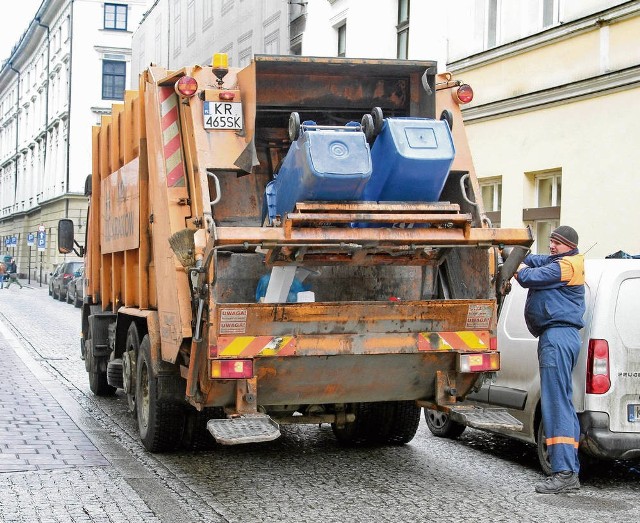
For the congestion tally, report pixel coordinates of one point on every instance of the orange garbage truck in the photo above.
(298, 241)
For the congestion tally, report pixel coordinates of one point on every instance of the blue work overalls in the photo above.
(553, 312)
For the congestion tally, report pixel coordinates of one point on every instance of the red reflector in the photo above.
(479, 362)
(231, 369)
(463, 94)
(598, 379)
(186, 86)
(213, 351)
(226, 95)
(493, 343)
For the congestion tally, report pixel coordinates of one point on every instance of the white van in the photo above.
(606, 380)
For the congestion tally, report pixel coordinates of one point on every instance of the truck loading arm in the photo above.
(323, 228)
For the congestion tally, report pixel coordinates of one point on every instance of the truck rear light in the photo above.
(463, 94)
(186, 86)
(493, 343)
(231, 369)
(598, 379)
(486, 361)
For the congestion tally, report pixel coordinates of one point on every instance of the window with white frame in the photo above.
(191, 21)
(342, 40)
(549, 190)
(177, 26)
(207, 14)
(272, 42)
(545, 215)
(115, 16)
(550, 13)
(491, 191)
(492, 34)
(403, 29)
(244, 57)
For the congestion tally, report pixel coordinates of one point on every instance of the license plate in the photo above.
(633, 413)
(223, 115)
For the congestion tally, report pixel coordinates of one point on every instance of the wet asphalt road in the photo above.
(303, 476)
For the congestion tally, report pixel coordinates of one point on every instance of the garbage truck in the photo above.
(299, 241)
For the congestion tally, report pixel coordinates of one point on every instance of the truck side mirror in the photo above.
(66, 241)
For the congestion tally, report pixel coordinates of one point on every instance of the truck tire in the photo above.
(196, 436)
(97, 377)
(129, 359)
(404, 424)
(371, 426)
(160, 422)
(441, 425)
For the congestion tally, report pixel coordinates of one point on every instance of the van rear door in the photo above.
(615, 319)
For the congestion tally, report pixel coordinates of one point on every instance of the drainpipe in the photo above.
(66, 210)
(46, 98)
(15, 181)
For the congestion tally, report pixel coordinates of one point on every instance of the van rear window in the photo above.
(626, 315)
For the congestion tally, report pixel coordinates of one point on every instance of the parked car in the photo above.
(60, 280)
(75, 288)
(56, 270)
(606, 384)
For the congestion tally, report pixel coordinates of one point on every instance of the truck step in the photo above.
(252, 428)
(485, 418)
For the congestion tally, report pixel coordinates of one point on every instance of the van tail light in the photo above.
(598, 379)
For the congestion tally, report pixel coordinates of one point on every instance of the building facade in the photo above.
(71, 63)
(553, 124)
(179, 33)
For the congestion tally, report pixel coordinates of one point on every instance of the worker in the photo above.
(553, 312)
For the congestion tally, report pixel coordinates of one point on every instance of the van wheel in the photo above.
(543, 453)
(160, 422)
(441, 425)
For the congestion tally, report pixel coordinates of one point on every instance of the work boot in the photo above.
(559, 482)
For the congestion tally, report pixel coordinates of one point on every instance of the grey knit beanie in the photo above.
(567, 235)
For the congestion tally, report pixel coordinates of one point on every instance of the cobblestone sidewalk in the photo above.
(36, 433)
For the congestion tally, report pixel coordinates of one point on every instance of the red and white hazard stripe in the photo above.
(171, 137)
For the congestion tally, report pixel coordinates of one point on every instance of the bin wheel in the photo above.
(294, 126)
(368, 128)
(447, 117)
(378, 120)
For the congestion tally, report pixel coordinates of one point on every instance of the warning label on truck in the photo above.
(233, 321)
(479, 317)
